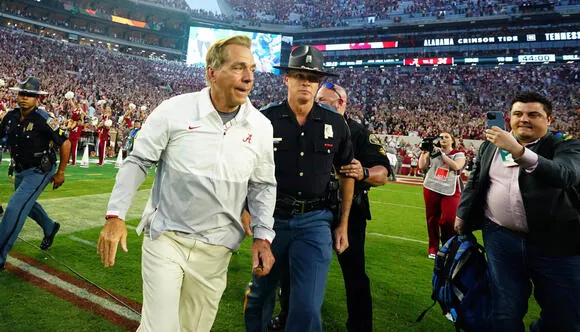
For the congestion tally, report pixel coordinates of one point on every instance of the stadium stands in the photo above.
(344, 12)
(388, 100)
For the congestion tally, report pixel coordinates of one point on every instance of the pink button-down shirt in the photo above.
(505, 205)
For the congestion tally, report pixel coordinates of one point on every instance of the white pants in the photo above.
(183, 282)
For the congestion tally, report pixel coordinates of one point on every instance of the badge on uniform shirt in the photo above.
(328, 131)
(276, 140)
(52, 123)
(374, 139)
(29, 127)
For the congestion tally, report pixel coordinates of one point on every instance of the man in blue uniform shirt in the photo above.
(32, 137)
(309, 139)
(370, 168)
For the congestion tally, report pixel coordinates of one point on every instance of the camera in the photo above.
(429, 143)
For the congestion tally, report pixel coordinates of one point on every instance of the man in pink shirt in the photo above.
(524, 194)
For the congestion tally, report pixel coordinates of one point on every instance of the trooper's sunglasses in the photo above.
(332, 87)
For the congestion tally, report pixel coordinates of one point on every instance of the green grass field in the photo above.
(396, 249)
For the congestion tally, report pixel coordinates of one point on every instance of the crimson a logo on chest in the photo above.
(248, 139)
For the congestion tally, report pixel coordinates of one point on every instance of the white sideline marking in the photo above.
(396, 191)
(79, 213)
(84, 197)
(93, 244)
(83, 241)
(397, 237)
(79, 292)
(402, 205)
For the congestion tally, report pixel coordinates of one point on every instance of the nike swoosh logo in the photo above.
(193, 127)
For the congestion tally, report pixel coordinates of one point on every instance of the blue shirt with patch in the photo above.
(28, 138)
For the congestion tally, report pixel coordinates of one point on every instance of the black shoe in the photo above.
(277, 323)
(47, 241)
(1, 211)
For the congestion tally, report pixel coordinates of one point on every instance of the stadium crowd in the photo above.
(420, 101)
(315, 14)
(306, 14)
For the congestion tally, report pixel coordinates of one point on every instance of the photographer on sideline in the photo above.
(441, 187)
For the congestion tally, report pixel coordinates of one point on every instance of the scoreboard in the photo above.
(417, 62)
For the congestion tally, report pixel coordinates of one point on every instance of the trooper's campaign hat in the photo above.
(306, 58)
(30, 85)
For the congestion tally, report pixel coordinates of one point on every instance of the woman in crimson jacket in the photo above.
(441, 189)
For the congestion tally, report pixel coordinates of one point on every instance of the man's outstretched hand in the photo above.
(113, 232)
(262, 258)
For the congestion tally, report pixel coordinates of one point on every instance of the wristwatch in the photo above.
(365, 173)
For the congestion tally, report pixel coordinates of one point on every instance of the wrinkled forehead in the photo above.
(239, 54)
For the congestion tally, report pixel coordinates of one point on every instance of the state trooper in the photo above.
(370, 168)
(32, 137)
(309, 140)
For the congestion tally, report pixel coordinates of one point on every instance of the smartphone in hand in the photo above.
(495, 118)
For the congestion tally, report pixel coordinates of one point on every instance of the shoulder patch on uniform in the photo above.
(270, 105)
(374, 140)
(43, 113)
(52, 123)
(328, 108)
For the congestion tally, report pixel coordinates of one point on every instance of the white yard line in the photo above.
(397, 237)
(79, 292)
(84, 197)
(94, 218)
(94, 244)
(79, 213)
(401, 205)
(83, 241)
(395, 191)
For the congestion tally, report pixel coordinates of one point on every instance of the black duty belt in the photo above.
(18, 167)
(288, 206)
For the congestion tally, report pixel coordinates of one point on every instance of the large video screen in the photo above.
(266, 47)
